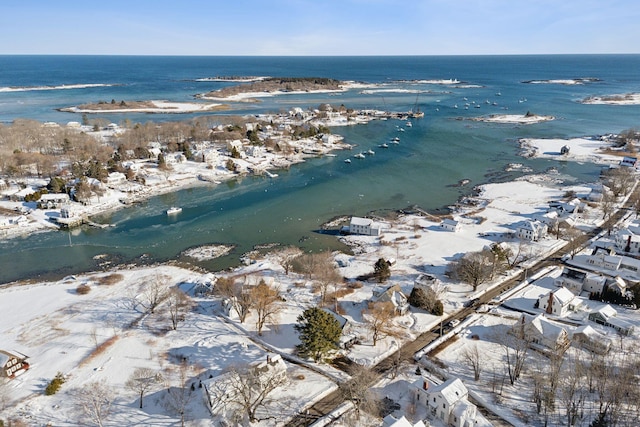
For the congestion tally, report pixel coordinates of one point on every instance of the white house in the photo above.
(450, 225)
(541, 331)
(606, 316)
(531, 230)
(237, 144)
(590, 339)
(53, 200)
(628, 161)
(391, 421)
(447, 401)
(364, 226)
(628, 239)
(558, 302)
(115, 178)
(395, 296)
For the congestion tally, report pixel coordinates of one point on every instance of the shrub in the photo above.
(55, 384)
(110, 279)
(438, 309)
(83, 289)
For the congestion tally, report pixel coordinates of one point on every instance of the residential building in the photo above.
(53, 200)
(394, 295)
(364, 226)
(531, 230)
(391, 421)
(558, 302)
(348, 337)
(590, 339)
(450, 225)
(540, 331)
(12, 364)
(447, 401)
(606, 316)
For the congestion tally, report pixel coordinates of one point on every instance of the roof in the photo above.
(355, 220)
(607, 311)
(451, 390)
(448, 221)
(545, 327)
(563, 295)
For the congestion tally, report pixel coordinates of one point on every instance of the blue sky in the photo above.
(319, 27)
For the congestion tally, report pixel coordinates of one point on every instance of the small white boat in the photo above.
(400, 130)
(408, 124)
(396, 139)
(371, 152)
(384, 145)
(174, 210)
(347, 160)
(455, 106)
(359, 156)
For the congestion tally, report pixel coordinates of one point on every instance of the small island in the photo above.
(149, 106)
(520, 119)
(274, 85)
(621, 99)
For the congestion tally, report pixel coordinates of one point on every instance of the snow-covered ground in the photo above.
(60, 329)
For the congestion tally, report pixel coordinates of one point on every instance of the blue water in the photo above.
(434, 154)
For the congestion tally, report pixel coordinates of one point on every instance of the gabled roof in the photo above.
(355, 220)
(451, 390)
(544, 327)
(607, 311)
(563, 296)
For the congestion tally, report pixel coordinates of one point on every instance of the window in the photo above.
(443, 406)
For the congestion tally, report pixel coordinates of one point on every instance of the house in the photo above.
(571, 279)
(572, 206)
(542, 332)
(606, 316)
(394, 295)
(450, 225)
(53, 200)
(235, 144)
(115, 178)
(348, 337)
(558, 302)
(531, 230)
(364, 226)
(628, 161)
(218, 391)
(447, 401)
(391, 421)
(628, 239)
(12, 364)
(590, 339)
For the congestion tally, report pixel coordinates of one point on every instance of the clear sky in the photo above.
(319, 27)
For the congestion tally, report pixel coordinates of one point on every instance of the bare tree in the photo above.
(379, 317)
(515, 348)
(472, 357)
(154, 292)
(357, 390)
(570, 391)
(93, 402)
(607, 204)
(178, 304)
(473, 268)
(267, 303)
(245, 391)
(143, 380)
(574, 238)
(287, 256)
(179, 394)
(325, 274)
(236, 294)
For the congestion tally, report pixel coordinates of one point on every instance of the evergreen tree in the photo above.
(319, 333)
(381, 270)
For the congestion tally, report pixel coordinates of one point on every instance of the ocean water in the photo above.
(434, 154)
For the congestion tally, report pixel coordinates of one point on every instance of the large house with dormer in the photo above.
(446, 401)
(558, 302)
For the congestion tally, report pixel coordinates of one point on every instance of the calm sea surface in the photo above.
(434, 154)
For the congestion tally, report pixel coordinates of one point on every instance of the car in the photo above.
(472, 303)
(453, 323)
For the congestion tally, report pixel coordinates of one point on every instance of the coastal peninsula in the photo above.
(276, 85)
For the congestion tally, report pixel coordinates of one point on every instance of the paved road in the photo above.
(385, 367)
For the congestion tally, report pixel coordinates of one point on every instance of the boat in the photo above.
(408, 124)
(347, 160)
(359, 156)
(384, 145)
(371, 152)
(396, 139)
(174, 210)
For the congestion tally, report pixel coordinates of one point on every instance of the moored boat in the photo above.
(174, 210)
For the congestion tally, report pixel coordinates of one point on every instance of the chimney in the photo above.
(425, 384)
